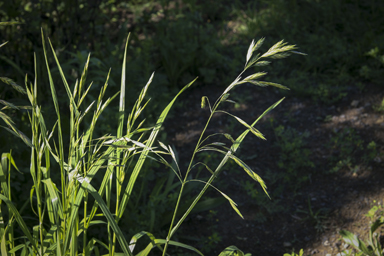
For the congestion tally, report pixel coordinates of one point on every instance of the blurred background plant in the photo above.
(294, 157)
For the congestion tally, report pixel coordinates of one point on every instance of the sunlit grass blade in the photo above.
(82, 80)
(70, 96)
(258, 44)
(231, 202)
(254, 76)
(239, 139)
(54, 200)
(143, 155)
(279, 47)
(263, 84)
(122, 92)
(232, 85)
(3, 245)
(93, 169)
(251, 128)
(19, 134)
(59, 127)
(8, 105)
(250, 51)
(251, 173)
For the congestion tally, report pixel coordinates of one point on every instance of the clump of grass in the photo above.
(64, 200)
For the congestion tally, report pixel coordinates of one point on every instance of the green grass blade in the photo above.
(264, 84)
(19, 220)
(250, 51)
(13, 130)
(145, 152)
(231, 202)
(178, 244)
(251, 173)
(3, 245)
(3, 174)
(239, 139)
(83, 78)
(122, 92)
(111, 220)
(54, 200)
(94, 168)
(57, 109)
(13, 84)
(70, 97)
(251, 128)
(134, 239)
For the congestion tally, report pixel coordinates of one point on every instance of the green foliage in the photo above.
(376, 210)
(335, 35)
(233, 251)
(294, 158)
(301, 253)
(373, 70)
(347, 148)
(372, 247)
(267, 206)
(315, 218)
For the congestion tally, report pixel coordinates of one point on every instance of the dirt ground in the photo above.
(339, 201)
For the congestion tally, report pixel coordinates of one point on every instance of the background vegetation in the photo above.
(180, 40)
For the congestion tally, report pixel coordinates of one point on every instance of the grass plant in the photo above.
(66, 204)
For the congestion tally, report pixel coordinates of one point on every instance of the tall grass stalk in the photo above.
(62, 197)
(279, 50)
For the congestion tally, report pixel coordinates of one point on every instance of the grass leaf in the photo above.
(14, 85)
(145, 152)
(111, 220)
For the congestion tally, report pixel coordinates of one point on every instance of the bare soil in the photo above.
(339, 200)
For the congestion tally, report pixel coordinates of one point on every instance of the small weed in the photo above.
(316, 218)
(371, 152)
(376, 210)
(371, 247)
(301, 253)
(373, 69)
(212, 241)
